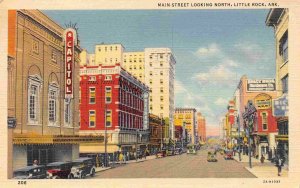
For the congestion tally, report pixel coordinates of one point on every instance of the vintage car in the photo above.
(31, 172)
(161, 153)
(170, 152)
(178, 151)
(59, 170)
(211, 157)
(191, 149)
(82, 167)
(228, 154)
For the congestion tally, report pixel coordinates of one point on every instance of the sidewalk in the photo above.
(261, 170)
(117, 164)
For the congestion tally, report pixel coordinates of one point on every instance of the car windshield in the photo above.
(53, 167)
(77, 163)
(21, 173)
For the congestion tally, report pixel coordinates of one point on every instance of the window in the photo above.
(92, 95)
(92, 78)
(34, 84)
(134, 67)
(264, 119)
(150, 56)
(161, 107)
(108, 118)
(151, 107)
(108, 94)
(106, 49)
(92, 118)
(52, 104)
(130, 67)
(151, 98)
(116, 48)
(161, 81)
(53, 56)
(99, 49)
(150, 64)
(283, 46)
(111, 48)
(68, 112)
(110, 60)
(141, 67)
(285, 83)
(161, 56)
(35, 46)
(161, 73)
(161, 63)
(161, 98)
(150, 81)
(150, 73)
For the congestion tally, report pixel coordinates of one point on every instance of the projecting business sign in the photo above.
(280, 106)
(70, 41)
(261, 85)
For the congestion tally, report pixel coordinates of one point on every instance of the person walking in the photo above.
(262, 159)
(279, 165)
(121, 157)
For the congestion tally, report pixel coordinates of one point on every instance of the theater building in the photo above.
(43, 113)
(114, 104)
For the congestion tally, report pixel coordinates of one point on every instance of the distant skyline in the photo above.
(213, 48)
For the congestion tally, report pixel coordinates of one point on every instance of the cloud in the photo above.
(218, 74)
(252, 53)
(211, 50)
(179, 88)
(221, 101)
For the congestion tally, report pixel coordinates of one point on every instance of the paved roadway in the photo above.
(180, 166)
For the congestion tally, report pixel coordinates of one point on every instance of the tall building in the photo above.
(201, 127)
(43, 120)
(108, 54)
(159, 76)
(113, 104)
(186, 117)
(279, 19)
(134, 62)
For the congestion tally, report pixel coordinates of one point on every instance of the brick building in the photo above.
(111, 96)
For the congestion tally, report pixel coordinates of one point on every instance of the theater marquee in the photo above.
(70, 42)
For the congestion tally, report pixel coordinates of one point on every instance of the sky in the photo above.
(212, 48)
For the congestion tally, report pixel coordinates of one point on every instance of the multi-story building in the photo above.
(157, 133)
(108, 54)
(186, 117)
(134, 62)
(113, 104)
(159, 76)
(201, 127)
(279, 19)
(43, 119)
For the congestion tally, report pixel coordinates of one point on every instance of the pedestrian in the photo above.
(121, 158)
(279, 165)
(35, 162)
(262, 159)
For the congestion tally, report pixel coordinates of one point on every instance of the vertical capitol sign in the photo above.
(70, 41)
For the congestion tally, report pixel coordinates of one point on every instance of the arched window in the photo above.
(53, 93)
(33, 101)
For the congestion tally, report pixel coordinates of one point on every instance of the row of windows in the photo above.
(130, 121)
(134, 60)
(53, 101)
(92, 95)
(107, 48)
(130, 100)
(161, 98)
(161, 64)
(161, 73)
(161, 89)
(92, 118)
(35, 49)
(161, 56)
(161, 107)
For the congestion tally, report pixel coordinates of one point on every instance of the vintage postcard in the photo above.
(150, 93)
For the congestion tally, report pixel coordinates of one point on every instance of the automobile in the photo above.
(170, 152)
(161, 153)
(191, 149)
(211, 157)
(59, 170)
(82, 167)
(228, 154)
(31, 172)
(178, 151)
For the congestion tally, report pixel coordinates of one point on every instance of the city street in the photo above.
(180, 166)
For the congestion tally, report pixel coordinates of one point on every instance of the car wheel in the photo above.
(70, 176)
(93, 173)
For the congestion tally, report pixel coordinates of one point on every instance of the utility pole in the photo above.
(105, 138)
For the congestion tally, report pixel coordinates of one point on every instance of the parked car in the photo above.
(178, 151)
(161, 153)
(170, 152)
(31, 172)
(211, 157)
(59, 170)
(82, 167)
(191, 149)
(228, 154)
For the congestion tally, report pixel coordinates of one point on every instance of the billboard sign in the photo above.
(259, 85)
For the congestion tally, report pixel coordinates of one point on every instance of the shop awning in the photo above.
(32, 138)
